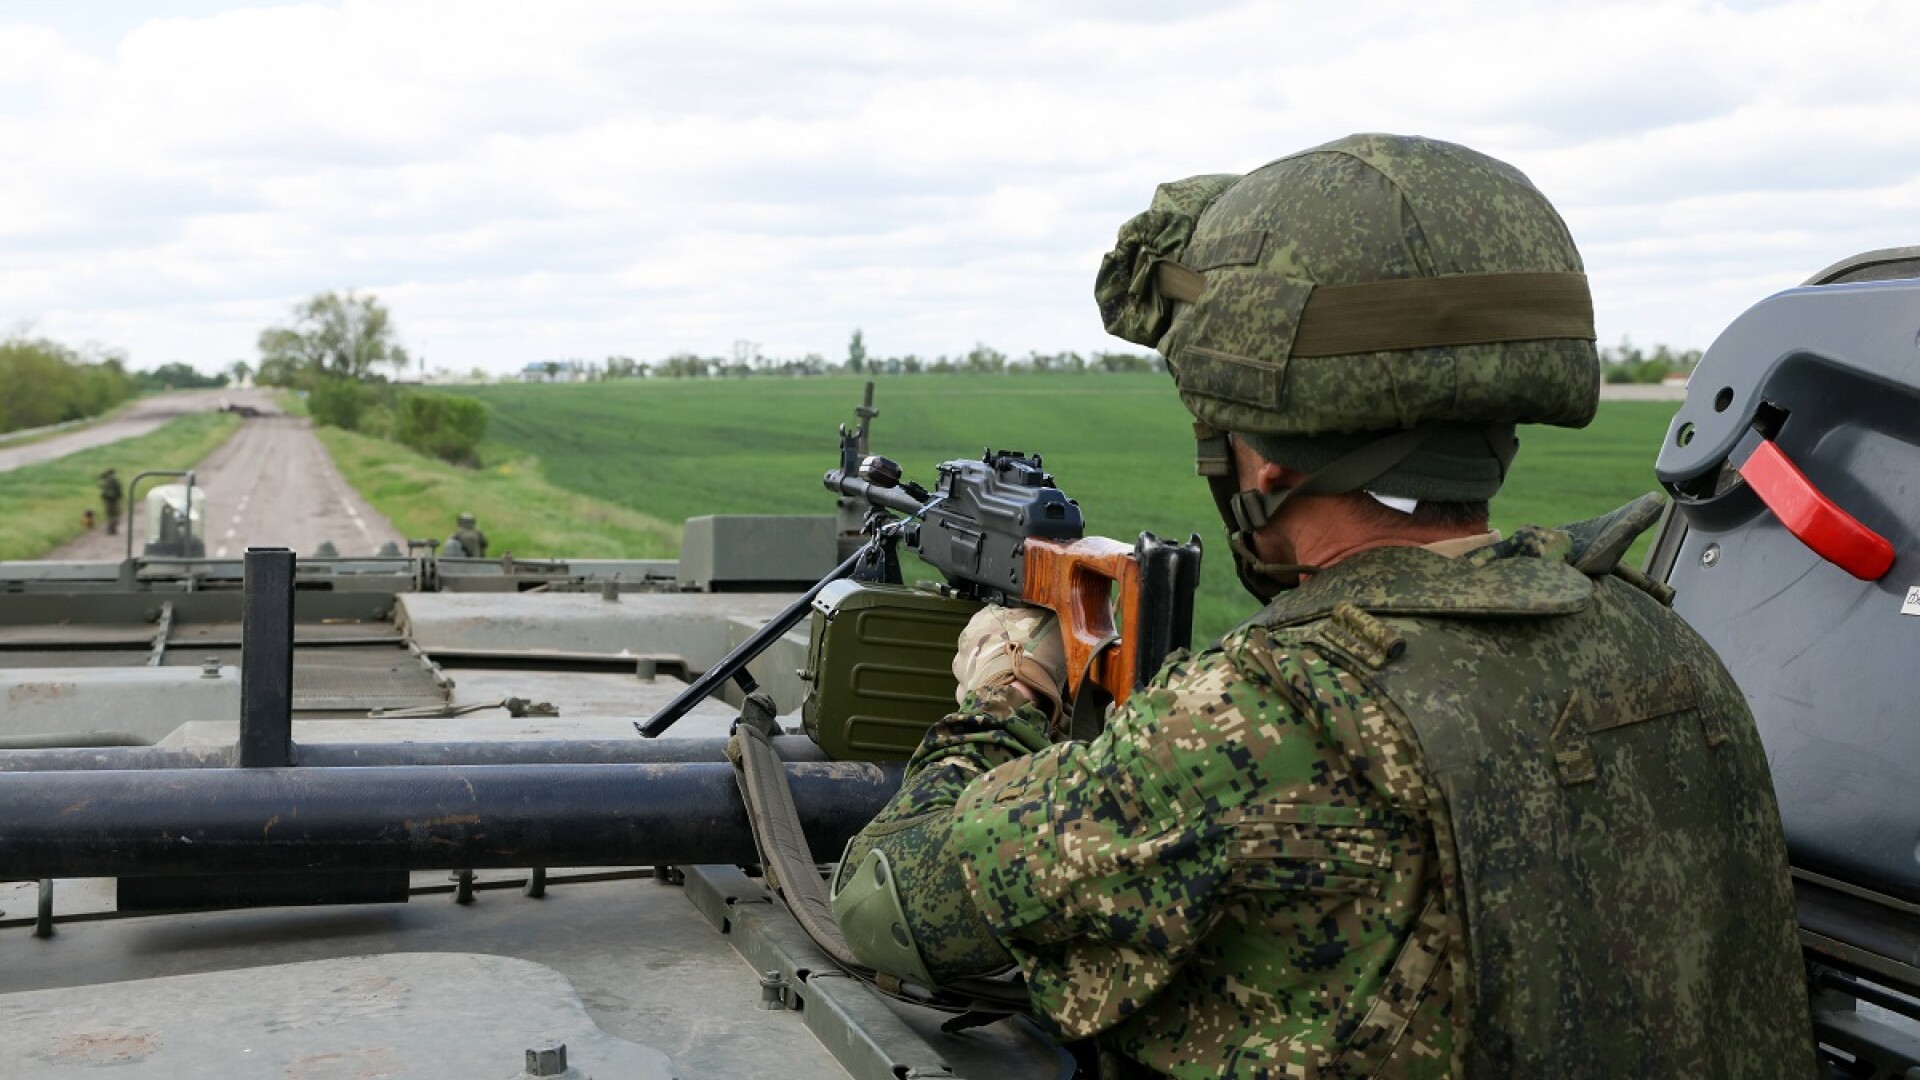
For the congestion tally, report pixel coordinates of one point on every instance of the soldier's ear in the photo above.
(1254, 471)
(1259, 474)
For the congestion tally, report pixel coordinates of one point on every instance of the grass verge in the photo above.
(518, 509)
(41, 506)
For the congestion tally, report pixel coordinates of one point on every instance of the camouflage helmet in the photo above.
(1375, 284)
(466, 520)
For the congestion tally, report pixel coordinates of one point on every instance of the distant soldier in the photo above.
(110, 499)
(468, 537)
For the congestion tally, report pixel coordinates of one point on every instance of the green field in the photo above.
(41, 505)
(1120, 444)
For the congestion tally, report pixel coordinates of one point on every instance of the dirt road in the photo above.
(272, 484)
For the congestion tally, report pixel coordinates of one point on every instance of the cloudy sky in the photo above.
(577, 178)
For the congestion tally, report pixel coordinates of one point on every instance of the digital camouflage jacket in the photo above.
(1501, 815)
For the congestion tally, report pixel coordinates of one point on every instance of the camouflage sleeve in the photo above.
(990, 729)
(1102, 866)
(1099, 867)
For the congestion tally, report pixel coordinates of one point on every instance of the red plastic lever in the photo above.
(1831, 532)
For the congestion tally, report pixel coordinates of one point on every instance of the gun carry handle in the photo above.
(1083, 582)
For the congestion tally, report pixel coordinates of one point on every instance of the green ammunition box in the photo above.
(879, 667)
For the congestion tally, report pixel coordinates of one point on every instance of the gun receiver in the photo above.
(1000, 530)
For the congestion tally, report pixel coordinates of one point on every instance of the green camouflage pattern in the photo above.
(1258, 869)
(472, 541)
(915, 830)
(1614, 855)
(1131, 306)
(1363, 208)
(1219, 885)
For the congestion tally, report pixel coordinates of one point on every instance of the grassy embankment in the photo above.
(518, 510)
(41, 505)
(1119, 444)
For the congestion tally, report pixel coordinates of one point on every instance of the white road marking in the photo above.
(220, 552)
(230, 533)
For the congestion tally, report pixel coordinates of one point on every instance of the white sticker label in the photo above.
(1912, 606)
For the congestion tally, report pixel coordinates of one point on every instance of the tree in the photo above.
(239, 370)
(42, 382)
(856, 353)
(278, 371)
(177, 375)
(334, 336)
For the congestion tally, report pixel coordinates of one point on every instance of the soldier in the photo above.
(1451, 804)
(470, 540)
(110, 500)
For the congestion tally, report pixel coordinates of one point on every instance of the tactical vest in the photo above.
(1612, 863)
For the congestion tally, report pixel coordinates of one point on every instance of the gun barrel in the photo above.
(369, 754)
(227, 821)
(887, 498)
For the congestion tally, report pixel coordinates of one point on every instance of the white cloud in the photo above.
(590, 177)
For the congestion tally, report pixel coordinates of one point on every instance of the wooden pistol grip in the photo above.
(1085, 583)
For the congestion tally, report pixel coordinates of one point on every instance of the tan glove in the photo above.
(1005, 645)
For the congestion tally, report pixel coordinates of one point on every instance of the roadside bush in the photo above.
(441, 425)
(377, 418)
(337, 403)
(42, 383)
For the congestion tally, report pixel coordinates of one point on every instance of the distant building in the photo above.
(550, 371)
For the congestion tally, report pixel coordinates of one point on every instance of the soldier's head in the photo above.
(1373, 315)
(466, 520)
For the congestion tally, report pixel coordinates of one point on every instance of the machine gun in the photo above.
(1000, 530)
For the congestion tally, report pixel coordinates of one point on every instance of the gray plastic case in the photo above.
(1830, 664)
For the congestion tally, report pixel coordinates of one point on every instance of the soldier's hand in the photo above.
(1005, 646)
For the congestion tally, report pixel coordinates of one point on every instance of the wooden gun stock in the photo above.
(1085, 582)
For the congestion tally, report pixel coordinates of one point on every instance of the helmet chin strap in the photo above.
(1246, 511)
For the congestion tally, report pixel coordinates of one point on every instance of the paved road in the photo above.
(143, 416)
(272, 484)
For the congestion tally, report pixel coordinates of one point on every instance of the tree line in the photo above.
(1624, 363)
(747, 362)
(43, 382)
